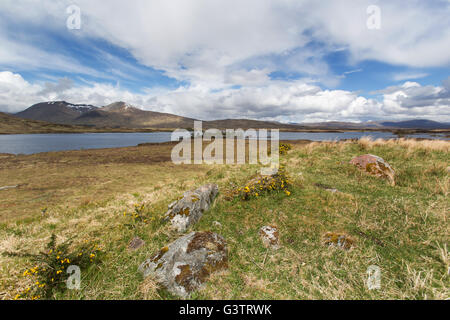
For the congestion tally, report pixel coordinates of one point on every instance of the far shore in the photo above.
(78, 130)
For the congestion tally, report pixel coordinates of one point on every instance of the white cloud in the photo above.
(413, 100)
(278, 100)
(206, 41)
(415, 35)
(408, 76)
(199, 41)
(16, 93)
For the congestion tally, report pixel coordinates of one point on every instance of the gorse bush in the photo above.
(140, 214)
(284, 148)
(262, 185)
(49, 274)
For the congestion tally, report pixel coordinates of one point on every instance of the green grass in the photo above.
(403, 229)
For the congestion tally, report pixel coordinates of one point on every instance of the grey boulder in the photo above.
(184, 265)
(189, 209)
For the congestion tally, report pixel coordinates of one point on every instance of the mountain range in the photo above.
(115, 115)
(121, 115)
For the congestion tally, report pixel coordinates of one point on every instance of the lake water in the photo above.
(36, 143)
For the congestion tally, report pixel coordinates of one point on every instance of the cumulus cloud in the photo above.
(293, 101)
(414, 35)
(281, 101)
(16, 93)
(412, 100)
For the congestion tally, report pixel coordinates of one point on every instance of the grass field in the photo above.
(402, 229)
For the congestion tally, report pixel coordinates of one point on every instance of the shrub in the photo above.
(262, 185)
(284, 148)
(49, 273)
(140, 214)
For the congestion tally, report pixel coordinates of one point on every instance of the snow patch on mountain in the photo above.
(78, 107)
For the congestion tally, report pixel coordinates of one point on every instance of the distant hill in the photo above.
(10, 124)
(55, 111)
(417, 124)
(115, 115)
(336, 125)
(121, 114)
(373, 125)
(246, 123)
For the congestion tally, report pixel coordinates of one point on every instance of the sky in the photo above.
(281, 60)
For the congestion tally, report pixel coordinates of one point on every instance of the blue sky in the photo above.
(289, 61)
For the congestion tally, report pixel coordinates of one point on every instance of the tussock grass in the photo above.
(411, 144)
(403, 229)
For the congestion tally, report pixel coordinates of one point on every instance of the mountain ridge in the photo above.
(124, 115)
(116, 115)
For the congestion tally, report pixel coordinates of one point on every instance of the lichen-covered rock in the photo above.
(270, 237)
(185, 264)
(189, 209)
(376, 166)
(339, 240)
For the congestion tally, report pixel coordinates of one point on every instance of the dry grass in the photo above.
(414, 144)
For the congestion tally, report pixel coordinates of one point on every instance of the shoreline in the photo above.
(153, 130)
(173, 143)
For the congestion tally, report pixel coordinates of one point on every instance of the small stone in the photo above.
(339, 240)
(375, 166)
(326, 188)
(8, 187)
(136, 243)
(185, 264)
(189, 209)
(290, 240)
(270, 237)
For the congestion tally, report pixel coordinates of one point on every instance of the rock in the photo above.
(339, 240)
(136, 243)
(8, 187)
(184, 265)
(189, 209)
(376, 166)
(326, 188)
(270, 237)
